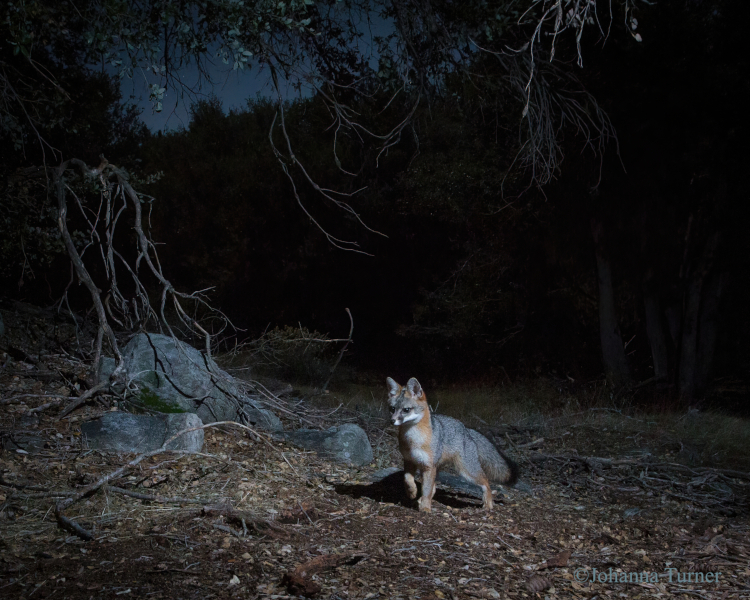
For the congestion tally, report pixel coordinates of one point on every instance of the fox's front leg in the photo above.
(428, 490)
(410, 469)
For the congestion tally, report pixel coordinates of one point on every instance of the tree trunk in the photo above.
(674, 323)
(702, 303)
(688, 347)
(708, 328)
(613, 351)
(687, 377)
(655, 330)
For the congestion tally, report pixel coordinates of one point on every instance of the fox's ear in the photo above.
(393, 387)
(414, 388)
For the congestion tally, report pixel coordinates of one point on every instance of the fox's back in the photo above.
(449, 437)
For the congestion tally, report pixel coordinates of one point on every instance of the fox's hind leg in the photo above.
(482, 481)
(487, 492)
(476, 474)
(410, 470)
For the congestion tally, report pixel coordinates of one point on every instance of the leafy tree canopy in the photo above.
(342, 48)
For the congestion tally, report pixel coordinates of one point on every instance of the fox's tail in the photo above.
(495, 464)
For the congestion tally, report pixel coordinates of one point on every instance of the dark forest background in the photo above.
(483, 275)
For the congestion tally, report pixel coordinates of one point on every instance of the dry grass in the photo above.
(587, 419)
(527, 402)
(593, 426)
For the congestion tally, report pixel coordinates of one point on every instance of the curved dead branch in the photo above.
(117, 197)
(343, 349)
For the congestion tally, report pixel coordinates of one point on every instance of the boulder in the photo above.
(125, 432)
(346, 443)
(381, 474)
(173, 377)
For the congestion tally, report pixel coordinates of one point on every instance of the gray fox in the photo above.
(429, 442)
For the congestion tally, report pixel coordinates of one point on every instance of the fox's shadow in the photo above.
(391, 489)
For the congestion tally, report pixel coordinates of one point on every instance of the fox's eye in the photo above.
(407, 409)
(391, 409)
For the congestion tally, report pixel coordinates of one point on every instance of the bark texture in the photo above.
(655, 330)
(687, 379)
(708, 328)
(613, 351)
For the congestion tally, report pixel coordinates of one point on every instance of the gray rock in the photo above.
(346, 443)
(28, 442)
(124, 432)
(459, 484)
(106, 368)
(383, 473)
(173, 377)
(262, 418)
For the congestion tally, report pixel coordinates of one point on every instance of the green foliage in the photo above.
(29, 238)
(461, 170)
(94, 123)
(30, 241)
(419, 47)
(152, 401)
(47, 39)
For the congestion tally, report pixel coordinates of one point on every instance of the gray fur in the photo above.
(429, 442)
(495, 464)
(475, 449)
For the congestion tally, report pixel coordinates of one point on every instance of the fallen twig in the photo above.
(246, 520)
(227, 529)
(299, 582)
(698, 470)
(593, 461)
(44, 407)
(82, 398)
(530, 444)
(17, 398)
(272, 400)
(149, 497)
(23, 486)
(39, 495)
(589, 460)
(341, 354)
(71, 526)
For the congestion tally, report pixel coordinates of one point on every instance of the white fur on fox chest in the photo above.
(414, 443)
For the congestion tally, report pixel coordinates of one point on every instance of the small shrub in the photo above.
(293, 354)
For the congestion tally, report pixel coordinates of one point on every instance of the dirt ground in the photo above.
(267, 520)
